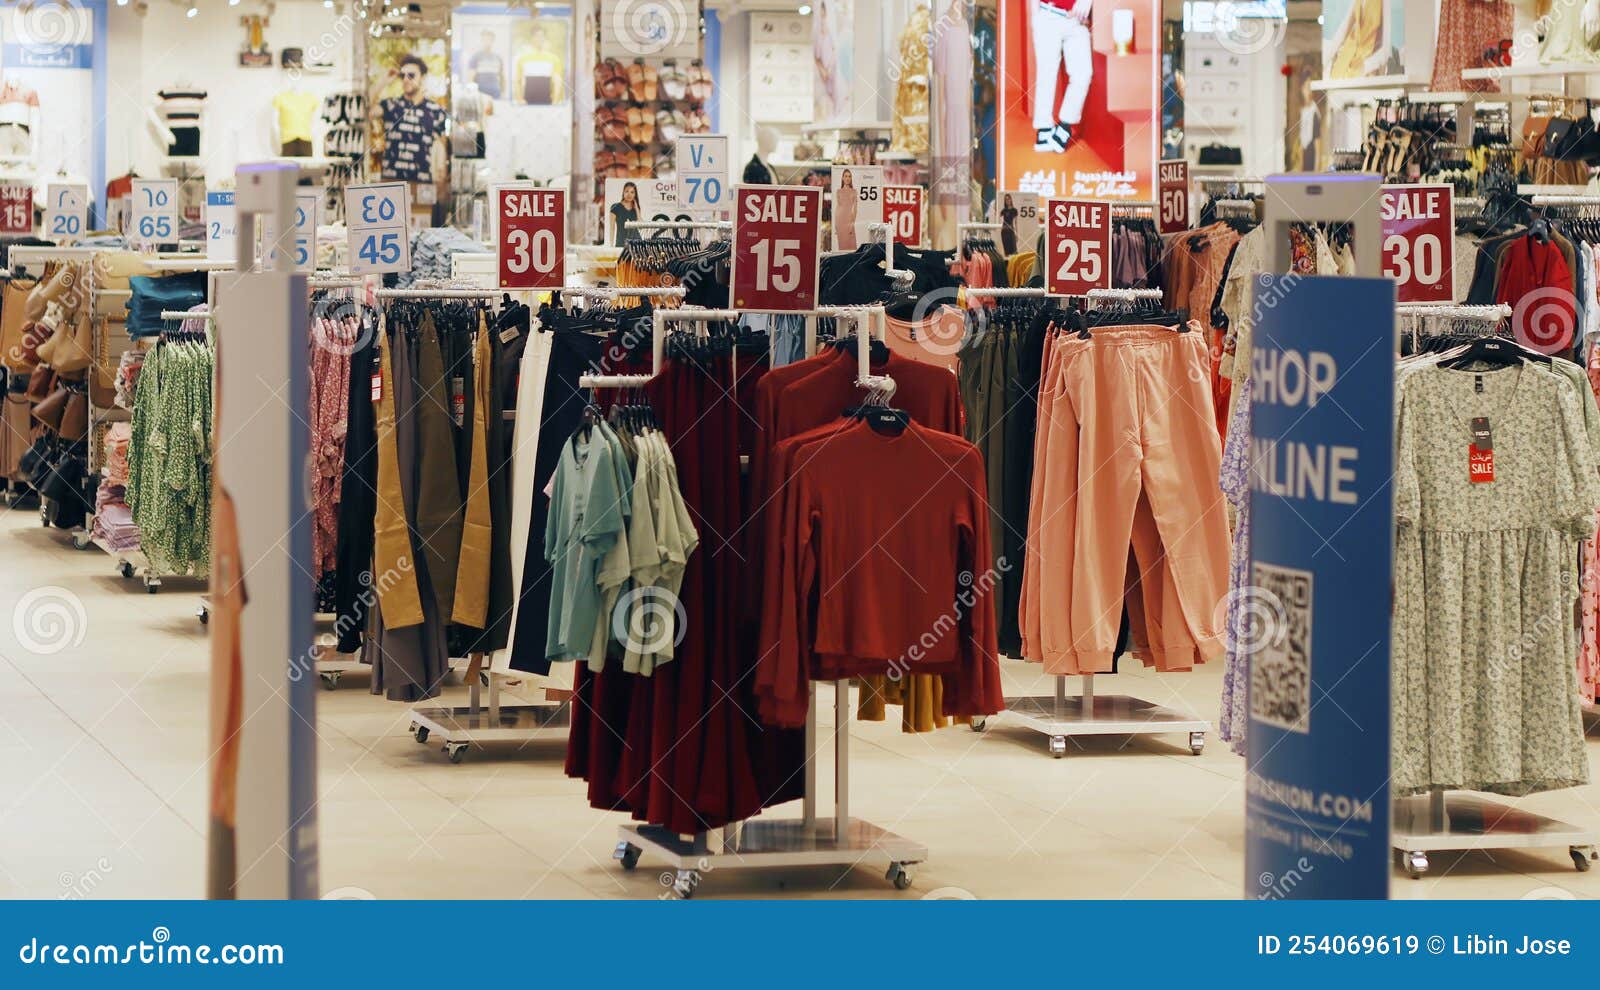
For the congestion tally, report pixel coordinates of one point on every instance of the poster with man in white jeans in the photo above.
(1060, 38)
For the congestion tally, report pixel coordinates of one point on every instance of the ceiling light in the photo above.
(805, 9)
(192, 12)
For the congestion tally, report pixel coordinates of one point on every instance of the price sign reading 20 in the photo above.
(379, 239)
(777, 232)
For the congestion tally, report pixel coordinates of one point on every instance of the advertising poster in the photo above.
(833, 50)
(1080, 90)
(857, 204)
(408, 90)
(638, 199)
(1017, 213)
(1363, 38)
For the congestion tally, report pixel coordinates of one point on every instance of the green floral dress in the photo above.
(169, 458)
(1484, 685)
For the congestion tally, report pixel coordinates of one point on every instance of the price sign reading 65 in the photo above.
(777, 233)
(155, 211)
(380, 241)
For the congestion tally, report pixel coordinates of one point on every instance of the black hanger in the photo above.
(1495, 350)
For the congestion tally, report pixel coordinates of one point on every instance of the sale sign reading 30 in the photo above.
(1419, 242)
(531, 237)
(777, 236)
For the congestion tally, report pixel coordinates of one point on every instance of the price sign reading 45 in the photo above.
(1172, 214)
(155, 211)
(777, 234)
(16, 208)
(531, 242)
(380, 240)
(64, 211)
(1077, 246)
(1419, 242)
(902, 211)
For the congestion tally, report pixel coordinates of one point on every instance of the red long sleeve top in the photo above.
(1529, 266)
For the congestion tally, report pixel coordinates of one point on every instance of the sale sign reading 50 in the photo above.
(531, 239)
(777, 234)
(1077, 246)
(1419, 242)
(380, 240)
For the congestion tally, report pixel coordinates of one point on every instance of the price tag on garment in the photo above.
(155, 211)
(1077, 246)
(222, 225)
(16, 207)
(902, 211)
(703, 190)
(1172, 207)
(65, 207)
(380, 232)
(530, 237)
(1419, 242)
(777, 238)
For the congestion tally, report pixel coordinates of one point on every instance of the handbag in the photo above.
(1562, 136)
(41, 382)
(1533, 136)
(35, 459)
(47, 290)
(50, 412)
(75, 418)
(75, 350)
(14, 322)
(1221, 154)
(102, 388)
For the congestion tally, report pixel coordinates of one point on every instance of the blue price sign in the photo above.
(703, 190)
(380, 237)
(222, 225)
(65, 207)
(1315, 616)
(307, 211)
(155, 211)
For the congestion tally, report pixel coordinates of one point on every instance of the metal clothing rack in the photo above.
(784, 843)
(1459, 822)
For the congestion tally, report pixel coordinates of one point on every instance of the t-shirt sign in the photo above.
(531, 240)
(155, 211)
(1077, 246)
(380, 236)
(1172, 213)
(16, 208)
(902, 211)
(64, 209)
(409, 130)
(1419, 242)
(702, 161)
(222, 225)
(777, 239)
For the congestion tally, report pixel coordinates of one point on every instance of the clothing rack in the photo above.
(441, 293)
(719, 225)
(1013, 293)
(1122, 295)
(767, 842)
(1456, 822)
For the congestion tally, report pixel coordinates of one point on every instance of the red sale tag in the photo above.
(1077, 246)
(777, 234)
(1419, 242)
(1172, 213)
(902, 211)
(1480, 464)
(531, 241)
(16, 208)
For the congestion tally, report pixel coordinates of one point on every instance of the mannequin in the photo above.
(758, 171)
(178, 118)
(19, 120)
(294, 111)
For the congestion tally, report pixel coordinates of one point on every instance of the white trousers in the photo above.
(1059, 38)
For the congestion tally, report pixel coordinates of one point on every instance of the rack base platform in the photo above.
(771, 844)
(1454, 822)
(1097, 715)
(458, 729)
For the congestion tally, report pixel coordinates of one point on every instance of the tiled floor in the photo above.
(102, 789)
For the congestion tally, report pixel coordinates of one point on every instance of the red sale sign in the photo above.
(1419, 242)
(16, 208)
(777, 236)
(1077, 246)
(902, 211)
(531, 238)
(1172, 208)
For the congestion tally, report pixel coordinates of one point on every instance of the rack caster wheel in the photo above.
(125, 569)
(204, 615)
(1416, 864)
(44, 515)
(1580, 857)
(1197, 743)
(683, 888)
(627, 854)
(456, 751)
(979, 723)
(81, 539)
(419, 733)
(1058, 746)
(330, 679)
(899, 876)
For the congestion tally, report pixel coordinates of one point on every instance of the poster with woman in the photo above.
(1080, 94)
(632, 200)
(857, 204)
(1363, 38)
(833, 51)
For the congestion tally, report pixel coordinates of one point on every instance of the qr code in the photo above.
(1278, 630)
